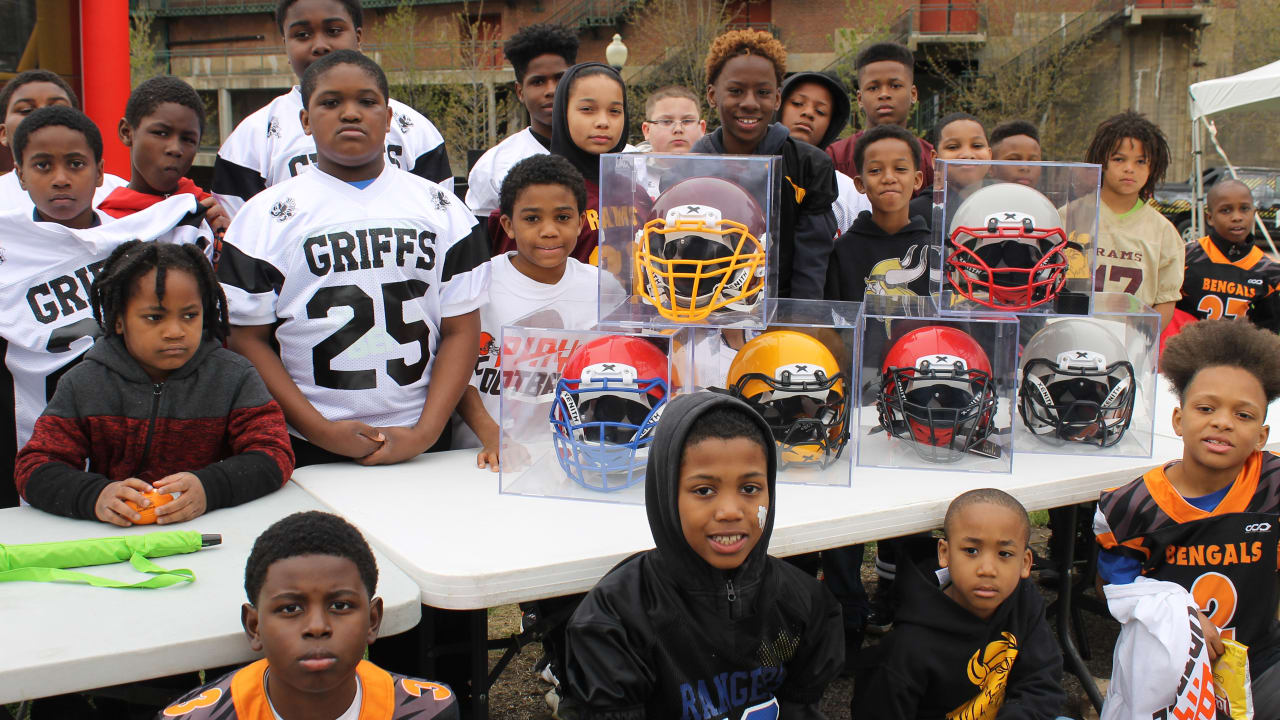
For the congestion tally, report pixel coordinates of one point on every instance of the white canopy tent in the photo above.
(1257, 89)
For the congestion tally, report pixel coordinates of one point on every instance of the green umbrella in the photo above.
(47, 562)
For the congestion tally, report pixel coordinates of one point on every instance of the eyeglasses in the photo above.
(668, 123)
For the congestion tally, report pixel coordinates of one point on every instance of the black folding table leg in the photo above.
(1075, 663)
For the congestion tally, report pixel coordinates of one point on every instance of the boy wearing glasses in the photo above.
(673, 120)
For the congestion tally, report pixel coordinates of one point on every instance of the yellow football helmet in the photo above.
(794, 382)
(703, 250)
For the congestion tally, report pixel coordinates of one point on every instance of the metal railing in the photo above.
(178, 8)
(1077, 30)
(582, 14)
(268, 60)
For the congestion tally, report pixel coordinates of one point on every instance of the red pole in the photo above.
(104, 72)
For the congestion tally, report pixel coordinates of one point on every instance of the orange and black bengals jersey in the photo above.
(242, 695)
(1227, 558)
(1223, 280)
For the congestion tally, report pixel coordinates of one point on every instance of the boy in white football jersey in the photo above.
(52, 255)
(543, 202)
(270, 145)
(361, 274)
(27, 92)
(539, 54)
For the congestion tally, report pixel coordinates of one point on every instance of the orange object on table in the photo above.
(149, 512)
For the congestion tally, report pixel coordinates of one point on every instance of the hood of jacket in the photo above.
(679, 562)
(926, 605)
(864, 227)
(561, 142)
(111, 353)
(841, 106)
(713, 142)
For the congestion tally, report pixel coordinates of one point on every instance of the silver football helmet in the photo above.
(1077, 384)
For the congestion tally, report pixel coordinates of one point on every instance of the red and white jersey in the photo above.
(270, 146)
(46, 270)
(13, 197)
(358, 280)
(1226, 558)
(484, 184)
(570, 304)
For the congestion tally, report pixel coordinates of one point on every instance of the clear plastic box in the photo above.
(799, 372)
(579, 407)
(1087, 385)
(687, 239)
(935, 390)
(1016, 237)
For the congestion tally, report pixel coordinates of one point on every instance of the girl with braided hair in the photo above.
(157, 404)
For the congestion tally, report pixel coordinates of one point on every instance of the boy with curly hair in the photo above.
(744, 73)
(1211, 521)
(539, 54)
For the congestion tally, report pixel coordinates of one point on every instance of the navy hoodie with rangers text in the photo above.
(665, 635)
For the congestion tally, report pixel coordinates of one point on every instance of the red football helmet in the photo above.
(936, 391)
(1005, 249)
(703, 249)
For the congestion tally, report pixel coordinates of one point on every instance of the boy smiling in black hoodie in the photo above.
(744, 71)
(974, 643)
(887, 251)
(706, 625)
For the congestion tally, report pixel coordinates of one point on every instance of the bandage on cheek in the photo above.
(762, 513)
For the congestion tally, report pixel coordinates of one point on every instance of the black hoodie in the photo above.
(903, 263)
(940, 658)
(839, 114)
(807, 226)
(665, 635)
(562, 143)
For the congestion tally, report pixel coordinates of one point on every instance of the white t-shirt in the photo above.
(510, 295)
(44, 294)
(270, 146)
(849, 202)
(485, 181)
(359, 280)
(13, 197)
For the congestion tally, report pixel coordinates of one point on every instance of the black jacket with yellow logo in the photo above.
(941, 661)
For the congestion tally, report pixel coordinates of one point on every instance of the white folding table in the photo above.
(468, 547)
(60, 638)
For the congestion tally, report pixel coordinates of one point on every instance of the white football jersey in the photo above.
(13, 197)
(45, 273)
(484, 184)
(510, 295)
(849, 203)
(269, 147)
(358, 280)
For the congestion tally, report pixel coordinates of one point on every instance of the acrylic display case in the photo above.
(578, 409)
(1016, 237)
(934, 390)
(1087, 385)
(799, 373)
(688, 239)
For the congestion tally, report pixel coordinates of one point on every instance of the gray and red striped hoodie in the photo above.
(212, 417)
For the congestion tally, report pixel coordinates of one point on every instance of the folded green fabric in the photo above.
(47, 562)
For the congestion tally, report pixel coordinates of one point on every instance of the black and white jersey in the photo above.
(45, 273)
(269, 147)
(484, 184)
(358, 280)
(13, 197)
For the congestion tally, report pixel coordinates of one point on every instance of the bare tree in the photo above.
(680, 32)
(144, 45)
